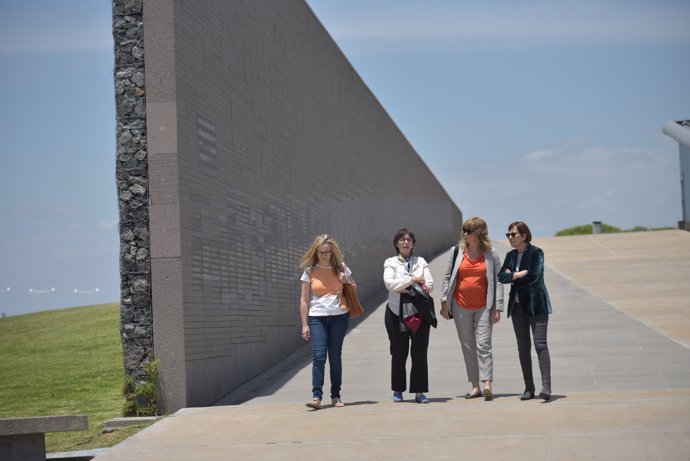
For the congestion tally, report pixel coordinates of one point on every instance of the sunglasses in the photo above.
(511, 234)
(467, 231)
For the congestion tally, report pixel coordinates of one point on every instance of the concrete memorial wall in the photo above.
(243, 132)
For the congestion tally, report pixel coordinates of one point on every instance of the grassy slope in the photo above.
(64, 362)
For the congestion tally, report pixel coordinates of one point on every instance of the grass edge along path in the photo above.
(65, 362)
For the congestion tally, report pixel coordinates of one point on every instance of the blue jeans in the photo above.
(327, 335)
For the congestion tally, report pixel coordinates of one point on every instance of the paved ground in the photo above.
(620, 350)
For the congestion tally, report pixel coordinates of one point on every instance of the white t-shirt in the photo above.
(327, 304)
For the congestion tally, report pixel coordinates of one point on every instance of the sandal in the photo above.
(315, 403)
(338, 403)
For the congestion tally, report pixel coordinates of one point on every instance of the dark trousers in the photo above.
(402, 343)
(522, 324)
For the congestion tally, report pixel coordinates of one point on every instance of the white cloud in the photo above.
(539, 154)
(107, 225)
(555, 188)
(64, 212)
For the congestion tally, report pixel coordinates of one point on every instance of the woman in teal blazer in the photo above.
(528, 305)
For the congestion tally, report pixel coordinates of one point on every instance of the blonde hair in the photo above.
(311, 258)
(480, 230)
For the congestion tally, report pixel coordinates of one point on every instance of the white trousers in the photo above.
(474, 332)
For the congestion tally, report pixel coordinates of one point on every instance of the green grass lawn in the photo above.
(65, 362)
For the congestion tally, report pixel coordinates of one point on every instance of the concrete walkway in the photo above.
(620, 368)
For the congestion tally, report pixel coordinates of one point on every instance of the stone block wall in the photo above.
(136, 325)
(259, 135)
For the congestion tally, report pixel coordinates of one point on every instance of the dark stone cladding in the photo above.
(136, 317)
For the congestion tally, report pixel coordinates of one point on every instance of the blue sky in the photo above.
(544, 111)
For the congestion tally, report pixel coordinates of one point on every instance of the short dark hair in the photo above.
(523, 229)
(400, 234)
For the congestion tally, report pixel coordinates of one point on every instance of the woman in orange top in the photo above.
(324, 315)
(476, 302)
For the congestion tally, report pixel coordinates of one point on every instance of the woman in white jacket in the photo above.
(472, 296)
(399, 273)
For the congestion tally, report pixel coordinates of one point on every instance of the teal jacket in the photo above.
(530, 289)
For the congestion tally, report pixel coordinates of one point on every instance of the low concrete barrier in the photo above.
(119, 423)
(24, 438)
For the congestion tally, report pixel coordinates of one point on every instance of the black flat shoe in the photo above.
(527, 395)
(545, 396)
(488, 395)
(473, 396)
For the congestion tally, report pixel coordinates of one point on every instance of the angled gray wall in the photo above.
(260, 136)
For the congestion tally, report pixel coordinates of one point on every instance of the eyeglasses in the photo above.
(405, 239)
(325, 253)
(512, 234)
(467, 231)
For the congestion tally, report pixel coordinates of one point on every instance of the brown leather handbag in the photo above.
(355, 308)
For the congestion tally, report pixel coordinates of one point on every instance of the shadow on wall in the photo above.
(273, 379)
